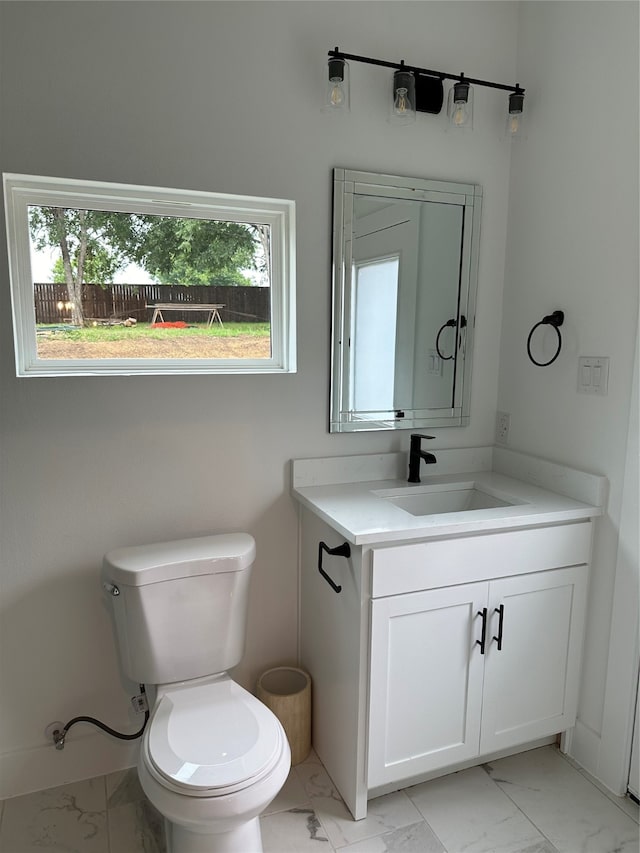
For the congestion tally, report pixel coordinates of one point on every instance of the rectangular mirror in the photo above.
(405, 257)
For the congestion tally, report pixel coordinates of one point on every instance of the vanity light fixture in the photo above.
(337, 97)
(514, 119)
(403, 107)
(421, 90)
(460, 104)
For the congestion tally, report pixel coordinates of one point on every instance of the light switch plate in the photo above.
(434, 363)
(593, 375)
(503, 422)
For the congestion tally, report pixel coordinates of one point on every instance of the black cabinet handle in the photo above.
(481, 642)
(343, 550)
(498, 639)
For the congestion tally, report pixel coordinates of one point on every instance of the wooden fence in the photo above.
(119, 301)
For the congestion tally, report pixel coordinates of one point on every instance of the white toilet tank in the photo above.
(180, 607)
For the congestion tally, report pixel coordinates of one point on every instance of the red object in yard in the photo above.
(178, 324)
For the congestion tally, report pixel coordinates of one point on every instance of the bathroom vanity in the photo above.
(452, 631)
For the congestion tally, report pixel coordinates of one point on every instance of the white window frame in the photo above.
(23, 191)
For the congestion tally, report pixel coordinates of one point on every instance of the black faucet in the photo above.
(416, 453)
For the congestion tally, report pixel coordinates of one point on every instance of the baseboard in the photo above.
(584, 747)
(390, 787)
(83, 757)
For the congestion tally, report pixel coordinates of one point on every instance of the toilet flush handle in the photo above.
(111, 588)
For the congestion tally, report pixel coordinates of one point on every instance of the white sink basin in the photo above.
(431, 500)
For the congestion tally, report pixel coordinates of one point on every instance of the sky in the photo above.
(42, 266)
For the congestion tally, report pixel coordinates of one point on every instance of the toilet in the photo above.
(212, 756)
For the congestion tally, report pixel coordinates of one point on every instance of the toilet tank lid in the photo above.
(163, 561)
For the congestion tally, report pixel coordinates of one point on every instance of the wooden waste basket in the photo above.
(286, 690)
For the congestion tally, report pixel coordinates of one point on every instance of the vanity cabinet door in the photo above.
(531, 681)
(426, 681)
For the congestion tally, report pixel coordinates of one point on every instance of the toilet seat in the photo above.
(211, 739)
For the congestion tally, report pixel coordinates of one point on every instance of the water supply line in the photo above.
(59, 734)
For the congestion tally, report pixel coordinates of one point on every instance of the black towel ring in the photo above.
(556, 320)
(452, 322)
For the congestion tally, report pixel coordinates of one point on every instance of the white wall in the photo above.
(621, 691)
(222, 97)
(573, 245)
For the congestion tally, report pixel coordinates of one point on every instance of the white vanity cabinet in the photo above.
(408, 678)
(531, 683)
(447, 684)
(425, 683)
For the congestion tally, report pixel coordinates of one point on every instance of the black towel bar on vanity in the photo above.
(343, 550)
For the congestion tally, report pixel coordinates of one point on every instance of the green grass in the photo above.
(145, 331)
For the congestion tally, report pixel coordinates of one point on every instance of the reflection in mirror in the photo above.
(405, 258)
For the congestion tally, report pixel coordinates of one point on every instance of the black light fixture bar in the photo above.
(402, 66)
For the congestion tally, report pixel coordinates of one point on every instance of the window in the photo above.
(373, 353)
(121, 279)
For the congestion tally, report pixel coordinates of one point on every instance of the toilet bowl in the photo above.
(212, 759)
(212, 756)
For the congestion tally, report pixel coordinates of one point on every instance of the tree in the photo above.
(98, 269)
(92, 246)
(194, 251)
(95, 244)
(262, 233)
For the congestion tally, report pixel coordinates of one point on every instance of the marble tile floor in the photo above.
(534, 802)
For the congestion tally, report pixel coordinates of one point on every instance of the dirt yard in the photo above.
(241, 346)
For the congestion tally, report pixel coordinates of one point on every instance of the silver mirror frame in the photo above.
(346, 184)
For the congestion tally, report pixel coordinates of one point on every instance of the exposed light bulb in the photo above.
(403, 109)
(336, 96)
(459, 115)
(460, 105)
(401, 104)
(337, 92)
(515, 115)
(514, 122)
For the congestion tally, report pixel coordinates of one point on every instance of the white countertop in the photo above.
(363, 517)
